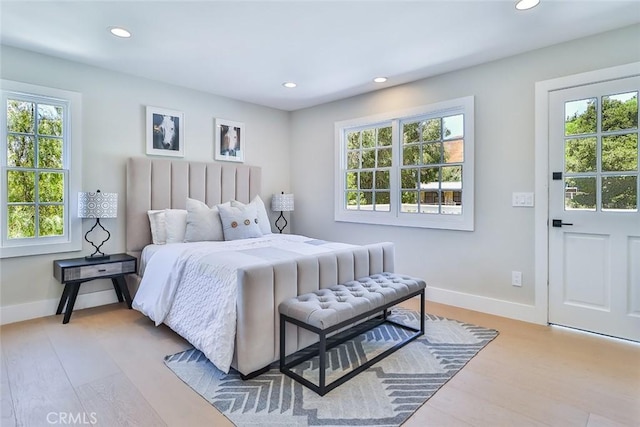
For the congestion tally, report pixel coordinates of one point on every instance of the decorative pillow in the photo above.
(203, 223)
(176, 220)
(239, 222)
(158, 227)
(263, 218)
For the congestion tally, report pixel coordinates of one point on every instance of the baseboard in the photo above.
(32, 310)
(512, 310)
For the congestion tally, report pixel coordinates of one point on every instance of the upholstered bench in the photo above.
(328, 310)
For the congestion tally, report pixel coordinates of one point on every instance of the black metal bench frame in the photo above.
(327, 343)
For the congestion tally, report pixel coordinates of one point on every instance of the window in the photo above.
(39, 179)
(409, 168)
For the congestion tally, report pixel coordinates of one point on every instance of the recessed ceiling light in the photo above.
(290, 85)
(526, 4)
(380, 79)
(120, 32)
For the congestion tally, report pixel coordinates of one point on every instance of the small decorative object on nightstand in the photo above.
(97, 205)
(283, 203)
(74, 272)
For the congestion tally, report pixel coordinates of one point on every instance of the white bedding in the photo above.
(191, 287)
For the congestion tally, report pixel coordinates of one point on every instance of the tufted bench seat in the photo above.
(328, 310)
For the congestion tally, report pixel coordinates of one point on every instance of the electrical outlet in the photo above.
(516, 278)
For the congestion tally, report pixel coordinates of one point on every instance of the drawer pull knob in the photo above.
(102, 270)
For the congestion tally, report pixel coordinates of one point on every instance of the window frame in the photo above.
(462, 222)
(71, 240)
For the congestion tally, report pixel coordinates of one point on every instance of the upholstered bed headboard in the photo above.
(161, 184)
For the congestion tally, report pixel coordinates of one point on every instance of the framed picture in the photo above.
(230, 141)
(165, 132)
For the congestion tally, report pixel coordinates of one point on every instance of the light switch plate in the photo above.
(522, 200)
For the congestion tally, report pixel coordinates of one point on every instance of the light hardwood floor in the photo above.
(107, 364)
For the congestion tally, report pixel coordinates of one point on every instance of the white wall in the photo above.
(113, 129)
(473, 268)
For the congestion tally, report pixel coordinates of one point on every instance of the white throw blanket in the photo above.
(191, 287)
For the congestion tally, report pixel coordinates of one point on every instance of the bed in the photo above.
(259, 286)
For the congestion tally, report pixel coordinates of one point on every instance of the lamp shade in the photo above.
(282, 202)
(97, 205)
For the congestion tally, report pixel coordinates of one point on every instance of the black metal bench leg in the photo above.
(322, 368)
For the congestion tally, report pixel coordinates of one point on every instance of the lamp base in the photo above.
(97, 257)
(281, 217)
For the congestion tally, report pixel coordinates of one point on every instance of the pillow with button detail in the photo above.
(239, 222)
(203, 223)
(263, 218)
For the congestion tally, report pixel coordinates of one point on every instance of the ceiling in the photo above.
(332, 49)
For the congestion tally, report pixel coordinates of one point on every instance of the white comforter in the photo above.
(191, 287)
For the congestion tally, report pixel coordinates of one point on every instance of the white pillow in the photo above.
(239, 222)
(263, 218)
(203, 223)
(176, 221)
(158, 227)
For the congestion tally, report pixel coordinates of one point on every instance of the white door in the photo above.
(594, 245)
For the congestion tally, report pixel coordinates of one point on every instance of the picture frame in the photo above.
(165, 132)
(230, 141)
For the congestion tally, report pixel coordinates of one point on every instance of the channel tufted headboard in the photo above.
(161, 184)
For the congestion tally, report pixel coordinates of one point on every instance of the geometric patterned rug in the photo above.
(386, 394)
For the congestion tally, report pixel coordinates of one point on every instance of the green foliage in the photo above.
(34, 156)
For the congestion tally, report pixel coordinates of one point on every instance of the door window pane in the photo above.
(580, 117)
(619, 192)
(620, 153)
(580, 155)
(620, 112)
(580, 193)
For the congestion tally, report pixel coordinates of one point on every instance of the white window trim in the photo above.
(72, 241)
(464, 222)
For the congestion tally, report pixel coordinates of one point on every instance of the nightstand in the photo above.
(74, 272)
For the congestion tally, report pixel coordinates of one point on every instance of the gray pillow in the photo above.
(239, 222)
(203, 223)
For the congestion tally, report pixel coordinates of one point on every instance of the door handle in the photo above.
(559, 223)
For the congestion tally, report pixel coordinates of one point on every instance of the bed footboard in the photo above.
(261, 289)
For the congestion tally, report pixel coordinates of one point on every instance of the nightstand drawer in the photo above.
(98, 270)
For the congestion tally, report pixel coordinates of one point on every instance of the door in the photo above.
(594, 221)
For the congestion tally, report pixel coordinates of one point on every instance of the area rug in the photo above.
(386, 394)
